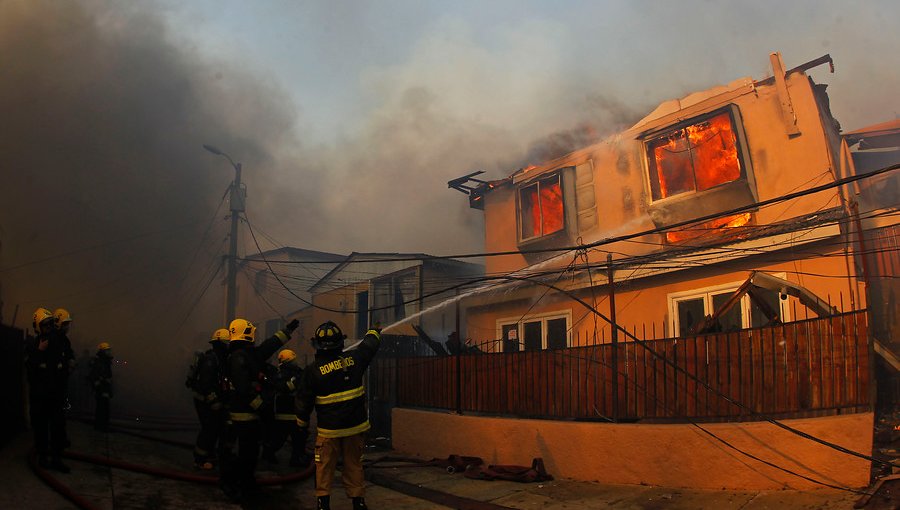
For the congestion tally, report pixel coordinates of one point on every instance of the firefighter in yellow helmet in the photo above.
(100, 378)
(243, 375)
(284, 381)
(205, 380)
(333, 386)
(48, 357)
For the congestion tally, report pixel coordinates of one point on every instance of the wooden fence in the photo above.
(818, 365)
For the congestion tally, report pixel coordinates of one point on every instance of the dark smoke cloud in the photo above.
(104, 117)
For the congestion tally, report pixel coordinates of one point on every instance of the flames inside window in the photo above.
(695, 157)
(541, 208)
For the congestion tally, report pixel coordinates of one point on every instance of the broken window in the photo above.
(696, 156)
(535, 333)
(691, 307)
(541, 210)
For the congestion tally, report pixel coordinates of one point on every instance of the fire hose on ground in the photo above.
(451, 465)
(67, 492)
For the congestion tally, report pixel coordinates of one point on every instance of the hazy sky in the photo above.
(349, 118)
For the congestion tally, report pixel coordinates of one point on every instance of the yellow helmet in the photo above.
(242, 329)
(103, 346)
(286, 356)
(41, 316)
(221, 335)
(62, 316)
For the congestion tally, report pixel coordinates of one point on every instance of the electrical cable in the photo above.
(687, 374)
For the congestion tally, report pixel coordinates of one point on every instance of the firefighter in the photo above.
(333, 385)
(205, 380)
(100, 378)
(63, 320)
(284, 381)
(243, 370)
(47, 361)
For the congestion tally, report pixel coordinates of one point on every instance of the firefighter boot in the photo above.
(359, 503)
(323, 503)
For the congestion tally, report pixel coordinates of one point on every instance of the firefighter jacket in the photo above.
(100, 375)
(245, 377)
(285, 380)
(48, 369)
(208, 386)
(333, 385)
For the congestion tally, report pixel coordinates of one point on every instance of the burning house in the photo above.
(699, 266)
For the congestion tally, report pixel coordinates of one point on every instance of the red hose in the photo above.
(58, 486)
(180, 475)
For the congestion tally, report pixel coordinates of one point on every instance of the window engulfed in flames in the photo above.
(696, 157)
(541, 208)
(707, 228)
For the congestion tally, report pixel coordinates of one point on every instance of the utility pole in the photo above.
(236, 200)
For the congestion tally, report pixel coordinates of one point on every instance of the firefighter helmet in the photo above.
(41, 320)
(103, 346)
(328, 337)
(221, 335)
(62, 316)
(286, 356)
(242, 329)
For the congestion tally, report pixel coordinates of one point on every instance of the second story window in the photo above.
(541, 208)
(695, 156)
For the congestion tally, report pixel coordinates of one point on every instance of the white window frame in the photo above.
(706, 293)
(543, 317)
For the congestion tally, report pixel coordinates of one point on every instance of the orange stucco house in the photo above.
(715, 227)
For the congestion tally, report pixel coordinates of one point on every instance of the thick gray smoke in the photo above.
(107, 191)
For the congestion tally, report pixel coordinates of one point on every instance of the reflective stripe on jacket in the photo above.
(333, 386)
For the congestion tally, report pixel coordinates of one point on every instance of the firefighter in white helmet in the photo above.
(243, 372)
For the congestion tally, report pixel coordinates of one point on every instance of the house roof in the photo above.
(884, 134)
(357, 257)
(300, 253)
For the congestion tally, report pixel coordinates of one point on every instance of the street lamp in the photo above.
(236, 200)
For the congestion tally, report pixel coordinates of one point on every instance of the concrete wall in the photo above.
(676, 455)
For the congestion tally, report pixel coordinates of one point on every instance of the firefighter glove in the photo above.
(291, 327)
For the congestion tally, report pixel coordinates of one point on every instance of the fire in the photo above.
(703, 229)
(696, 157)
(543, 202)
(551, 208)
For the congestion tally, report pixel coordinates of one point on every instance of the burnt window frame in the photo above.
(565, 175)
(741, 146)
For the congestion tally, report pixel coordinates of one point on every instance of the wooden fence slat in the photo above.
(808, 365)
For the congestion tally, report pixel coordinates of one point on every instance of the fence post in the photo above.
(459, 348)
(615, 339)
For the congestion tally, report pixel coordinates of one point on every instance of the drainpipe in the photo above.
(615, 339)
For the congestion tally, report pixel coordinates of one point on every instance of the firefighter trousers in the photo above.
(350, 450)
(278, 434)
(212, 423)
(238, 472)
(101, 411)
(48, 422)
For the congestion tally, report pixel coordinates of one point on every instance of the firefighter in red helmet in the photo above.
(333, 386)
